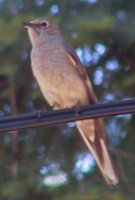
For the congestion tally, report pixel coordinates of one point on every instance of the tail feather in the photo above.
(95, 141)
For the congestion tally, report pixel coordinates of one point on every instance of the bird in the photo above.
(64, 83)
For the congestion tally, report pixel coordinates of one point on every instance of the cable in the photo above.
(51, 117)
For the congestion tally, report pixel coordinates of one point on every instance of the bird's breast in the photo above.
(59, 82)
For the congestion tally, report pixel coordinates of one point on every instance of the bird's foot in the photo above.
(77, 108)
(40, 113)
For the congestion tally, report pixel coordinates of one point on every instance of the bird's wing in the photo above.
(81, 71)
(75, 62)
(92, 131)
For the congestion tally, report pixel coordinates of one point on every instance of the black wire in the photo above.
(43, 118)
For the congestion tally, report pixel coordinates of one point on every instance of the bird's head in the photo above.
(42, 30)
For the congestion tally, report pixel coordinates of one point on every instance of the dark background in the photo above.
(53, 162)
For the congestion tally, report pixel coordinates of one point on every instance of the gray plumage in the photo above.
(64, 83)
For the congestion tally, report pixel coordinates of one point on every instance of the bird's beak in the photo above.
(28, 24)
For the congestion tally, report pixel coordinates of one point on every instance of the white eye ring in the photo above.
(44, 24)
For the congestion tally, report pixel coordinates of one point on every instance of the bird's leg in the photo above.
(77, 108)
(40, 113)
(55, 106)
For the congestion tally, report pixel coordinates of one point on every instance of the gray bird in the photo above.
(64, 84)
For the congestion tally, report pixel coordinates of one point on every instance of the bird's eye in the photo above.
(44, 24)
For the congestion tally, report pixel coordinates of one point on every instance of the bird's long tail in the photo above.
(93, 135)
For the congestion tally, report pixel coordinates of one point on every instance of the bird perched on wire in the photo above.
(64, 84)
